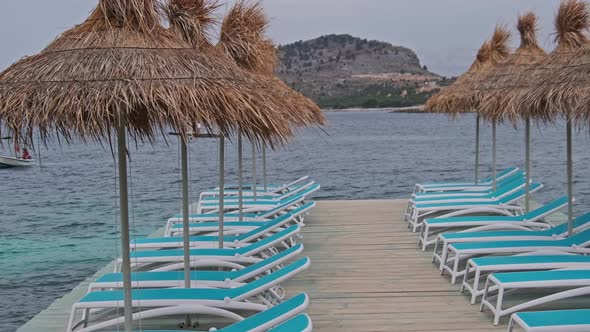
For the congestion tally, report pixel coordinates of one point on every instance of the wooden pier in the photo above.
(367, 275)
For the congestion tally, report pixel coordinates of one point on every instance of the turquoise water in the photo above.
(58, 222)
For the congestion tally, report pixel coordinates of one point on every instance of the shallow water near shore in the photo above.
(58, 222)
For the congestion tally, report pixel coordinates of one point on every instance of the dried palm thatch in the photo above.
(458, 98)
(121, 60)
(491, 89)
(541, 91)
(435, 103)
(193, 19)
(243, 39)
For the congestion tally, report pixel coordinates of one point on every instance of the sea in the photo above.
(58, 220)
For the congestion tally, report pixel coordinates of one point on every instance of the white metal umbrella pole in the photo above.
(264, 175)
(570, 177)
(527, 153)
(477, 122)
(124, 210)
(494, 155)
(185, 217)
(254, 175)
(240, 178)
(221, 188)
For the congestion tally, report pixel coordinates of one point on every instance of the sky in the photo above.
(445, 33)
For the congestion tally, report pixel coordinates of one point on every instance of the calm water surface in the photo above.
(58, 222)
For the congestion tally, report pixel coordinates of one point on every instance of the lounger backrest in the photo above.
(582, 221)
(519, 194)
(267, 227)
(547, 209)
(271, 316)
(268, 281)
(304, 191)
(300, 323)
(262, 244)
(283, 206)
(291, 184)
(269, 262)
(519, 175)
(510, 187)
(501, 175)
(579, 239)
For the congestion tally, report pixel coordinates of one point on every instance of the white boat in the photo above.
(15, 162)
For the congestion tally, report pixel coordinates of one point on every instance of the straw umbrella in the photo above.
(457, 98)
(243, 39)
(121, 71)
(529, 53)
(553, 87)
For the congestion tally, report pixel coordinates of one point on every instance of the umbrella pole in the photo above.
(124, 210)
(185, 213)
(494, 155)
(254, 176)
(264, 176)
(570, 177)
(527, 153)
(477, 122)
(240, 177)
(221, 188)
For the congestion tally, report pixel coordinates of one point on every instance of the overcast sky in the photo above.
(445, 33)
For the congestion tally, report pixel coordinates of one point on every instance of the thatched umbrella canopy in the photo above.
(465, 97)
(436, 103)
(542, 92)
(243, 39)
(121, 60)
(491, 87)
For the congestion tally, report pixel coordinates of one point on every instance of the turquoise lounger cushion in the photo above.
(435, 221)
(216, 224)
(297, 324)
(488, 234)
(576, 239)
(518, 260)
(542, 275)
(555, 318)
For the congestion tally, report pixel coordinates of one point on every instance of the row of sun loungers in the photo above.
(514, 261)
(241, 282)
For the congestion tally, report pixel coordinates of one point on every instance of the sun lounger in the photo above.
(301, 323)
(505, 205)
(499, 285)
(260, 322)
(580, 224)
(247, 188)
(518, 178)
(479, 267)
(230, 241)
(460, 251)
(552, 321)
(238, 227)
(172, 259)
(484, 184)
(254, 205)
(259, 216)
(484, 226)
(213, 279)
(250, 196)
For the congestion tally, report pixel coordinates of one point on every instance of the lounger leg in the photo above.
(486, 291)
(435, 249)
(444, 254)
(424, 236)
(511, 325)
(475, 286)
(499, 300)
(455, 269)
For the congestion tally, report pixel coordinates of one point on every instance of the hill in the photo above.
(342, 71)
